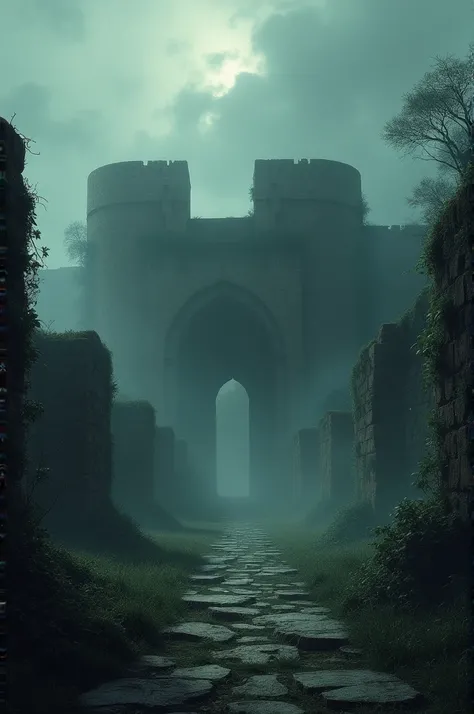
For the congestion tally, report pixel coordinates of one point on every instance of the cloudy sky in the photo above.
(219, 83)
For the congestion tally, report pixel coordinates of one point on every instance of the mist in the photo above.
(243, 306)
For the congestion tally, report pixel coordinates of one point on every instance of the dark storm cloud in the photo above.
(65, 17)
(334, 76)
(31, 105)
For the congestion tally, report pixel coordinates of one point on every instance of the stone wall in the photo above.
(336, 440)
(72, 380)
(306, 477)
(451, 250)
(133, 432)
(181, 459)
(164, 467)
(391, 410)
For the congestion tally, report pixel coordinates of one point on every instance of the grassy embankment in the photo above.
(428, 648)
(85, 617)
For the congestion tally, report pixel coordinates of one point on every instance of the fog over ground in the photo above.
(218, 83)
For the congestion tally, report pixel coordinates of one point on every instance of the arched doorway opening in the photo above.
(232, 441)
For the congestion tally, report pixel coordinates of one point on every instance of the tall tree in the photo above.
(436, 124)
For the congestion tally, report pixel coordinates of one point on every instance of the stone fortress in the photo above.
(280, 300)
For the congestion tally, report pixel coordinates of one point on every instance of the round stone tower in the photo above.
(289, 196)
(318, 204)
(130, 205)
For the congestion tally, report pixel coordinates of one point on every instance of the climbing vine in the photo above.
(28, 257)
(432, 339)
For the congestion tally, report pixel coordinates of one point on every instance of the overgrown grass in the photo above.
(84, 617)
(428, 648)
(113, 534)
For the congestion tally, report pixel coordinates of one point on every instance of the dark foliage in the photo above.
(350, 524)
(420, 559)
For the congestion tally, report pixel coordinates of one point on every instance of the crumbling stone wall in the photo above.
(391, 410)
(306, 477)
(133, 432)
(336, 439)
(164, 466)
(181, 460)
(450, 255)
(72, 380)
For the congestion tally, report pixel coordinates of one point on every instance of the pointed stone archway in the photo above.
(225, 332)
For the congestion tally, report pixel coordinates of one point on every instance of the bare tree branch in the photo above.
(435, 118)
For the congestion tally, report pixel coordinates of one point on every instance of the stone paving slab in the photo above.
(377, 693)
(195, 631)
(260, 654)
(333, 678)
(310, 632)
(158, 693)
(293, 594)
(205, 578)
(151, 664)
(217, 600)
(263, 707)
(233, 613)
(212, 567)
(265, 686)
(212, 672)
(247, 639)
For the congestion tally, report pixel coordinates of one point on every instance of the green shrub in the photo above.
(352, 523)
(421, 558)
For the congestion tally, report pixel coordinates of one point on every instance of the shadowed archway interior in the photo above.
(227, 334)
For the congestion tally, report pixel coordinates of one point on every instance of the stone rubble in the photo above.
(271, 623)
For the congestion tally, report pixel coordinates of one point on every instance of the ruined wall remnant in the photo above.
(391, 410)
(394, 253)
(72, 380)
(450, 256)
(133, 431)
(336, 439)
(164, 466)
(181, 459)
(306, 477)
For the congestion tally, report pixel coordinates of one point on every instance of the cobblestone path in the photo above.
(253, 643)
